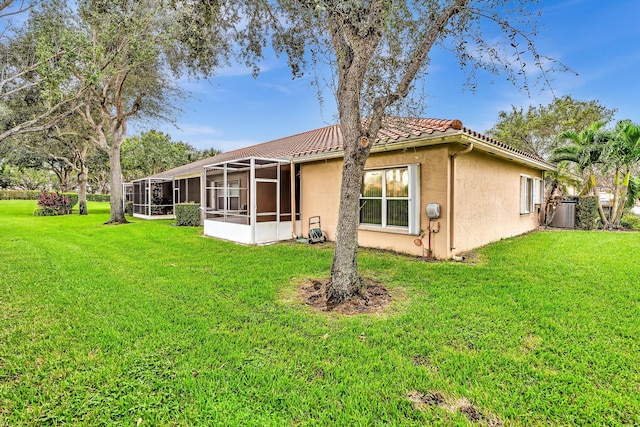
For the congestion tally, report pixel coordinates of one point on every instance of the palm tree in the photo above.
(586, 150)
(623, 153)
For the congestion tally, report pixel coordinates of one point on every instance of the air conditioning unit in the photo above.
(433, 210)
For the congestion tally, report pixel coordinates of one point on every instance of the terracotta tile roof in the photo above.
(329, 140)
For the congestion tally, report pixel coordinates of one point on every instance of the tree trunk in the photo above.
(623, 198)
(616, 198)
(550, 206)
(594, 187)
(66, 178)
(83, 173)
(117, 211)
(345, 280)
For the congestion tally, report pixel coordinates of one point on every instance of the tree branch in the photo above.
(417, 61)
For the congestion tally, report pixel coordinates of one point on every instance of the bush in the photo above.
(630, 221)
(128, 208)
(587, 213)
(73, 199)
(188, 214)
(45, 212)
(53, 204)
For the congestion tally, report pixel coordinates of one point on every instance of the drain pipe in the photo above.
(452, 193)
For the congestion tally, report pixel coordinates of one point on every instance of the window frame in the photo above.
(526, 194)
(538, 191)
(412, 198)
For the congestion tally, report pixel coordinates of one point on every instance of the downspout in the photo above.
(455, 155)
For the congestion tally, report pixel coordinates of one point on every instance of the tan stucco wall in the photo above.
(487, 200)
(320, 195)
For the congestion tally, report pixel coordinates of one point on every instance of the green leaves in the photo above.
(536, 128)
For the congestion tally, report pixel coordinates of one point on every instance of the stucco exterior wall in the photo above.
(320, 195)
(487, 200)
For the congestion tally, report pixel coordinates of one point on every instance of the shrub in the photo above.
(73, 199)
(587, 213)
(630, 221)
(128, 208)
(188, 214)
(52, 204)
(45, 212)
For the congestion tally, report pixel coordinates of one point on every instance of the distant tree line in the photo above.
(45, 163)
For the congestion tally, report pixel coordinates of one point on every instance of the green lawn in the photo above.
(152, 324)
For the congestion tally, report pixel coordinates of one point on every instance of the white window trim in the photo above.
(526, 194)
(413, 199)
(538, 191)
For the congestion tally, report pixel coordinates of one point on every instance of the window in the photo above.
(526, 194)
(538, 191)
(389, 198)
(233, 195)
(531, 193)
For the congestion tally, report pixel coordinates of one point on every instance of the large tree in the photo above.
(69, 144)
(536, 128)
(122, 57)
(153, 151)
(379, 48)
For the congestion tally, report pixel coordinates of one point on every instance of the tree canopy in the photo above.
(153, 151)
(536, 128)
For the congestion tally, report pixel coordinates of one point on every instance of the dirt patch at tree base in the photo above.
(372, 298)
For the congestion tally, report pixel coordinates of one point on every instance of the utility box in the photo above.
(433, 210)
(565, 216)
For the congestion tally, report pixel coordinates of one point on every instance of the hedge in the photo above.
(587, 213)
(33, 195)
(19, 194)
(188, 214)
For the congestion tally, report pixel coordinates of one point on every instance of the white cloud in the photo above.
(279, 88)
(223, 144)
(196, 129)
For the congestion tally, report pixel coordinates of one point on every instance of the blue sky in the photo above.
(598, 39)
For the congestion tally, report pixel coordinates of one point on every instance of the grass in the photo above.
(155, 325)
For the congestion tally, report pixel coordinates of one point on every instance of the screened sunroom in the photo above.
(153, 198)
(251, 200)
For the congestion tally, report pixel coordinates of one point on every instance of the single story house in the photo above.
(431, 188)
